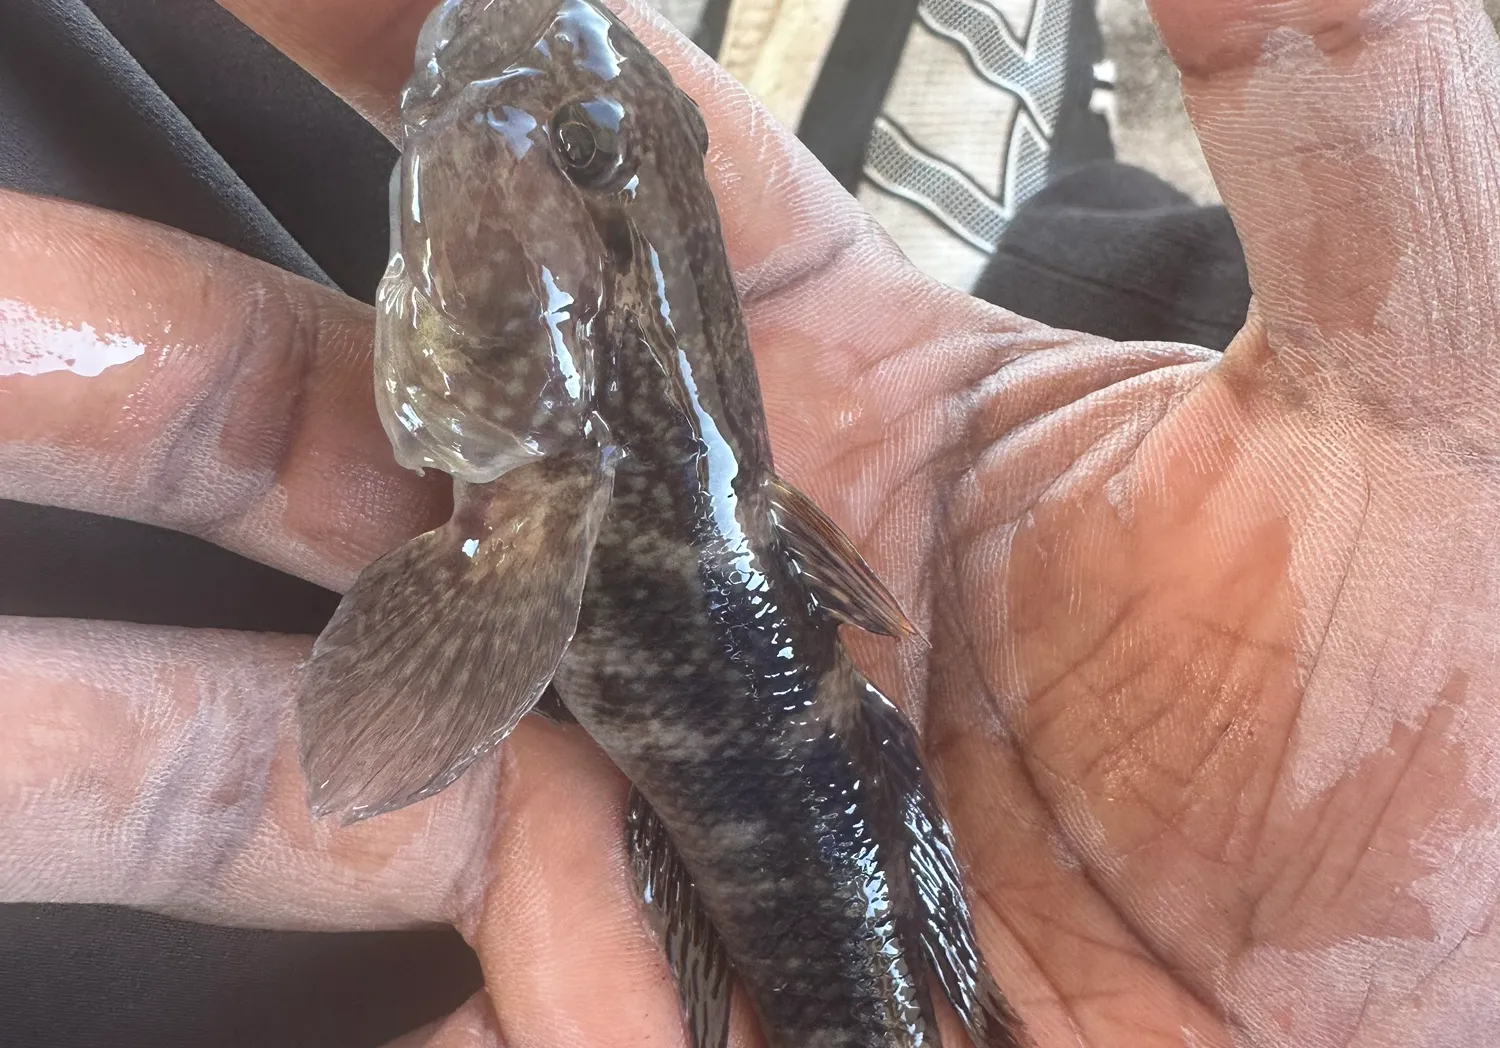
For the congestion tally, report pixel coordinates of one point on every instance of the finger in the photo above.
(561, 936)
(1355, 143)
(150, 375)
(156, 768)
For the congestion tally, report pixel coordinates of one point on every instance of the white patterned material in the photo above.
(964, 135)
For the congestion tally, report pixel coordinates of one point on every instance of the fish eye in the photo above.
(586, 137)
(575, 140)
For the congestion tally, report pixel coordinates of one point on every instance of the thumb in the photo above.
(1355, 143)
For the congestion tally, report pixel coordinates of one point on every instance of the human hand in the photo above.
(1210, 640)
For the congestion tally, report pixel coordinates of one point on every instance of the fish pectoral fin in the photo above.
(840, 580)
(705, 981)
(443, 645)
(946, 927)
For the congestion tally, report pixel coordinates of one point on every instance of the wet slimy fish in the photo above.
(560, 332)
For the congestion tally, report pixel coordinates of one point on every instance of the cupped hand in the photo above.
(1210, 694)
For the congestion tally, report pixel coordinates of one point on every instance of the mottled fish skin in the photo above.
(701, 662)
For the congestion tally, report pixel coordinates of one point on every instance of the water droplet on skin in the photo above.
(34, 344)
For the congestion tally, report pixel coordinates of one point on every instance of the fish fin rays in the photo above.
(841, 582)
(705, 980)
(944, 922)
(444, 644)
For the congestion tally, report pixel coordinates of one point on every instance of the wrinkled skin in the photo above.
(1210, 697)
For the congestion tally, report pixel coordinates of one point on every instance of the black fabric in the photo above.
(1115, 251)
(97, 977)
(1081, 136)
(80, 119)
(55, 563)
(303, 187)
(851, 85)
(320, 170)
(709, 35)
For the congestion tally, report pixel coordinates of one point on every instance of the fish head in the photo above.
(512, 215)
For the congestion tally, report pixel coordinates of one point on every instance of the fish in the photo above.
(559, 331)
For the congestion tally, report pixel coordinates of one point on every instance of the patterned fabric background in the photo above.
(966, 131)
(968, 124)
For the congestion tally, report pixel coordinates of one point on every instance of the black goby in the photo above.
(559, 330)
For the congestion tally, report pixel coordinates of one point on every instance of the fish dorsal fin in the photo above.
(705, 981)
(443, 645)
(840, 580)
(946, 927)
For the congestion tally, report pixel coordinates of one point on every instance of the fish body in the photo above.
(560, 331)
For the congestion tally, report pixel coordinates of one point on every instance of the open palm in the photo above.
(1209, 693)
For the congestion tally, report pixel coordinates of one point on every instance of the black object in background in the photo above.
(55, 563)
(711, 25)
(851, 85)
(1081, 136)
(318, 168)
(108, 978)
(1115, 251)
(79, 119)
